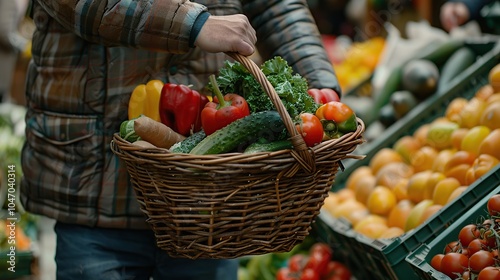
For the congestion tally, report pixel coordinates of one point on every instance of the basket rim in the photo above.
(355, 137)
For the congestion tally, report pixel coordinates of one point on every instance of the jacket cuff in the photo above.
(198, 24)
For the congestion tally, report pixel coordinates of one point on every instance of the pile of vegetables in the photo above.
(240, 116)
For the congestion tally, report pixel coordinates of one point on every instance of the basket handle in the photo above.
(303, 156)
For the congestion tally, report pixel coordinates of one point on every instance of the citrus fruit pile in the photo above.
(404, 185)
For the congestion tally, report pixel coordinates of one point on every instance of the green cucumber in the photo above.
(237, 135)
(186, 145)
(456, 64)
(268, 147)
(440, 51)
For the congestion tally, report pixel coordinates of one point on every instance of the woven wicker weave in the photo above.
(231, 205)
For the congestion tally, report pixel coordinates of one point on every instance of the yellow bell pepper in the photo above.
(145, 100)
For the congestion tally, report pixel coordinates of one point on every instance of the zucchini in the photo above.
(186, 145)
(456, 64)
(258, 147)
(241, 133)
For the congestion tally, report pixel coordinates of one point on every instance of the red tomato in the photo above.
(454, 264)
(318, 262)
(467, 234)
(284, 273)
(489, 273)
(436, 261)
(324, 95)
(297, 262)
(480, 260)
(494, 205)
(310, 128)
(309, 274)
(477, 245)
(337, 271)
(323, 249)
(453, 246)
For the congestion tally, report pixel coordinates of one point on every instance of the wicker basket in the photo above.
(231, 205)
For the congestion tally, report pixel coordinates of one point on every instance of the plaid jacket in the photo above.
(88, 56)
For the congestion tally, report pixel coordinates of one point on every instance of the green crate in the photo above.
(419, 259)
(385, 259)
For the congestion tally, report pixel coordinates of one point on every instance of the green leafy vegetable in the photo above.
(290, 87)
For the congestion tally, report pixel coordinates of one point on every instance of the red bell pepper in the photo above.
(324, 95)
(337, 119)
(222, 110)
(180, 108)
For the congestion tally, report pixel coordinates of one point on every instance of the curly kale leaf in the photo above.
(290, 87)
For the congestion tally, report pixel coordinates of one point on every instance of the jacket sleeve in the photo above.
(149, 24)
(287, 28)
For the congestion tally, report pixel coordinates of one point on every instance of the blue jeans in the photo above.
(109, 254)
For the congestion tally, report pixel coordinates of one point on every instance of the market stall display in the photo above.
(476, 226)
(384, 258)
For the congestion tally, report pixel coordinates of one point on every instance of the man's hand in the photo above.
(453, 15)
(231, 33)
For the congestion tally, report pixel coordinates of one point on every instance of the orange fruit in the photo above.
(491, 116)
(390, 174)
(383, 157)
(346, 207)
(482, 165)
(358, 173)
(399, 213)
(391, 232)
(416, 213)
(423, 159)
(373, 231)
(457, 136)
(429, 211)
(459, 157)
(471, 113)
(441, 159)
(455, 107)
(494, 78)
(444, 189)
(459, 172)
(417, 185)
(474, 136)
(364, 186)
(494, 98)
(401, 189)
(406, 146)
(491, 144)
(432, 181)
(485, 92)
(381, 200)
(421, 133)
(370, 219)
(357, 215)
(330, 202)
(456, 193)
(345, 194)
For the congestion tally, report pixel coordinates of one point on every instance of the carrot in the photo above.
(156, 132)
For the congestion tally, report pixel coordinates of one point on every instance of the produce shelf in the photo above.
(419, 259)
(464, 85)
(385, 258)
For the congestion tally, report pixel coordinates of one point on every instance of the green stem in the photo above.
(218, 93)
